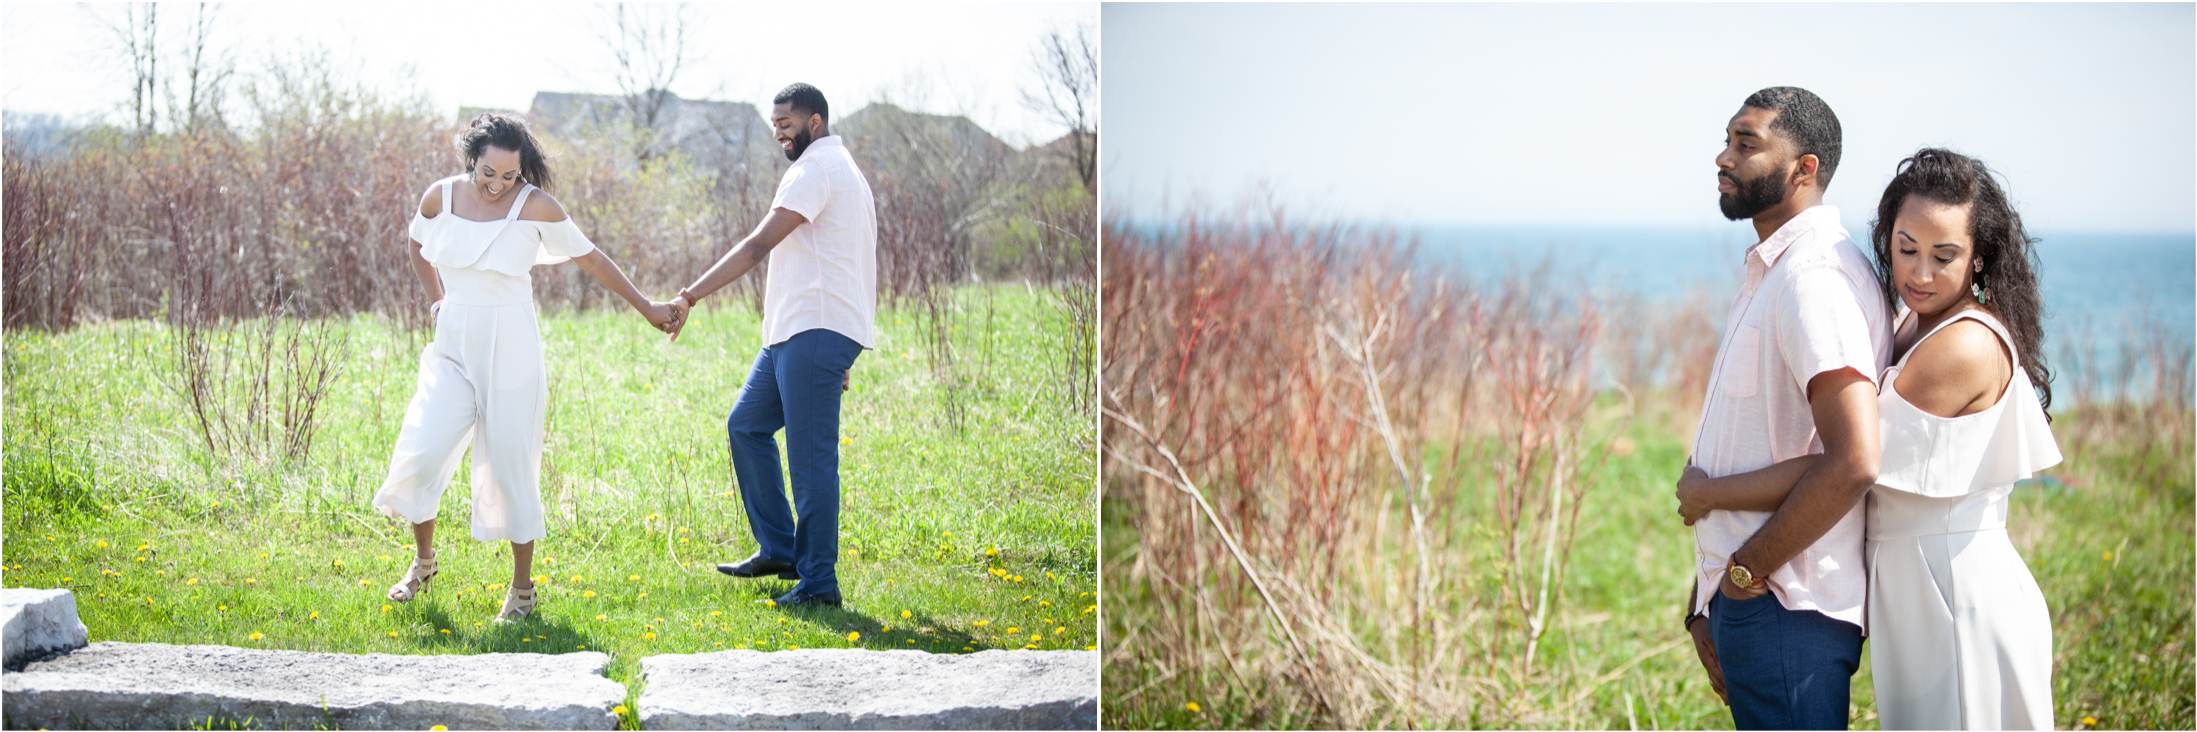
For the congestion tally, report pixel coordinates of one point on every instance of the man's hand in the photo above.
(1735, 592)
(1691, 505)
(1705, 647)
(680, 309)
(846, 382)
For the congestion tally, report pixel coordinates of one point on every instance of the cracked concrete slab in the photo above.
(862, 689)
(158, 686)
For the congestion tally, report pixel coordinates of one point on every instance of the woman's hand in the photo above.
(1693, 500)
(662, 316)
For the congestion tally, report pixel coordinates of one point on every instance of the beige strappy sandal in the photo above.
(517, 603)
(415, 580)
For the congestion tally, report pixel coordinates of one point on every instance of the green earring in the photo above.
(1976, 288)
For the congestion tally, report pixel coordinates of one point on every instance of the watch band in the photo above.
(691, 298)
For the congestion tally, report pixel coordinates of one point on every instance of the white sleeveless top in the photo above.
(1944, 457)
(489, 262)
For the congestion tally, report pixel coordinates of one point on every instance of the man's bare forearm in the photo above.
(1846, 419)
(734, 265)
(750, 252)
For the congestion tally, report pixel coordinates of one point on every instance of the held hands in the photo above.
(1692, 501)
(664, 317)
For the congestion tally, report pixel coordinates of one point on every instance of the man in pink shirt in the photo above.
(1778, 600)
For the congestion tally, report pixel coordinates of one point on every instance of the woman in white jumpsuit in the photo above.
(1960, 637)
(482, 380)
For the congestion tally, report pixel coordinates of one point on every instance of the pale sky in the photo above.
(957, 58)
(1611, 115)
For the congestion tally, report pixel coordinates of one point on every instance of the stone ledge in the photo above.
(158, 686)
(38, 623)
(861, 689)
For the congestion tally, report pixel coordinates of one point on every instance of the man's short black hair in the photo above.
(1804, 119)
(805, 98)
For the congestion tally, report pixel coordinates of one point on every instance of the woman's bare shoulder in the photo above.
(431, 201)
(1956, 367)
(542, 207)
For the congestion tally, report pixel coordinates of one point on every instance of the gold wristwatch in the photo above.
(1742, 577)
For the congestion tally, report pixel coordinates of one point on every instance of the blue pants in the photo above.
(1784, 669)
(794, 385)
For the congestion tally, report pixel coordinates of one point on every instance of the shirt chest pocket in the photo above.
(1742, 363)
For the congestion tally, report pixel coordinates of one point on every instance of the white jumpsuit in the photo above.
(1959, 634)
(482, 379)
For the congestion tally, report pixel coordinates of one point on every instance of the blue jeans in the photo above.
(794, 385)
(1784, 669)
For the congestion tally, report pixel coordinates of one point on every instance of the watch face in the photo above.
(1742, 577)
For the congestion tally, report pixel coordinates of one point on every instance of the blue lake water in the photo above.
(2094, 284)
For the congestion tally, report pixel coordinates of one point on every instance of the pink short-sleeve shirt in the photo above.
(1811, 304)
(824, 274)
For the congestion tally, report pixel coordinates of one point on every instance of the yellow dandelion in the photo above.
(651, 636)
(905, 614)
(991, 551)
(1090, 648)
(982, 623)
(583, 648)
(643, 596)
(773, 603)
(853, 636)
(191, 581)
(446, 631)
(575, 578)
(589, 593)
(221, 607)
(392, 634)
(1060, 630)
(1044, 603)
(386, 608)
(2091, 720)
(715, 613)
(634, 578)
(1012, 630)
(102, 545)
(621, 709)
(1192, 706)
(439, 728)
(2108, 557)
(256, 636)
(314, 616)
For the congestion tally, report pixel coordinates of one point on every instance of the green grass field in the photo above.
(2111, 547)
(954, 537)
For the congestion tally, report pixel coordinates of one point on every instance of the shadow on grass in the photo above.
(532, 634)
(849, 618)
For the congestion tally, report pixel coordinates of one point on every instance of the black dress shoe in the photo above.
(798, 599)
(757, 566)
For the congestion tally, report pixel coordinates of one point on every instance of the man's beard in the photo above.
(801, 142)
(1752, 197)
